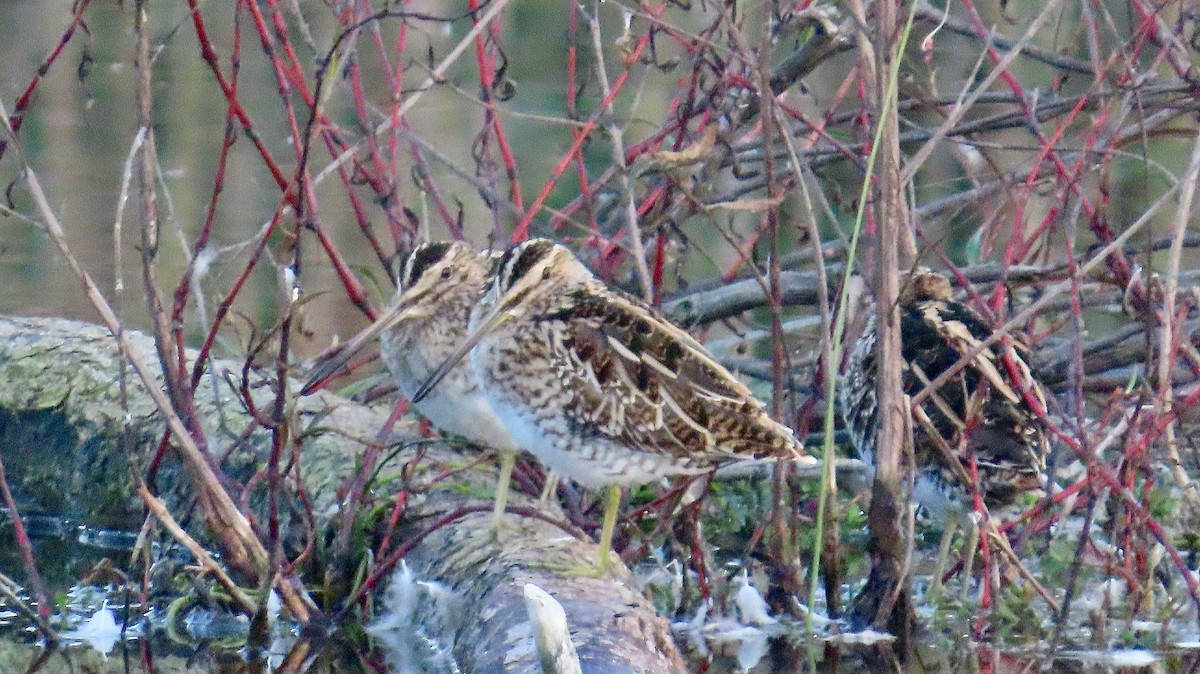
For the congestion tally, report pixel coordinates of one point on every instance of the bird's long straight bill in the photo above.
(493, 320)
(388, 319)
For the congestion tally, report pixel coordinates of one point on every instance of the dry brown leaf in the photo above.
(748, 205)
(696, 152)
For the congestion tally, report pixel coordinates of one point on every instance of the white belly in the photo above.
(467, 416)
(927, 494)
(592, 462)
(457, 405)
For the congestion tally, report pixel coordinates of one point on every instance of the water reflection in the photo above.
(112, 637)
(108, 626)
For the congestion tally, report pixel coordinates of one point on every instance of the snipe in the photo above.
(439, 284)
(980, 413)
(600, 387)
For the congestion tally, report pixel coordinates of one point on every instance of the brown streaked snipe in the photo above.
(979, 413)
(600, 387)
(439, 284)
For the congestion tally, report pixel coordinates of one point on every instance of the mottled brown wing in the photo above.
(1009, 443)
(636, 378)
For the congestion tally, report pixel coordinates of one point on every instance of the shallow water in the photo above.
(108, 629)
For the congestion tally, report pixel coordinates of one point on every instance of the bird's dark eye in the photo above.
(546, 274)
(446, 274)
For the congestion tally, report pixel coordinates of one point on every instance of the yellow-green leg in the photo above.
(550, 488)
(507, 461)
(971, 546)
(611, 505)
(939, 568)
(603, 563)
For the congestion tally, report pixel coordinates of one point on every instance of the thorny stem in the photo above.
(439, 71)
(615, 136)
(967, 101)
(830, 357)
(241, 544)
(26, 548)
(1167, 348)
(889, 541)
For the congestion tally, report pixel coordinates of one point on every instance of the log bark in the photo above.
(69, 453)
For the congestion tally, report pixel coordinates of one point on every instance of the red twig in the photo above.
(26, 98)
(25, 546)
(521, 231)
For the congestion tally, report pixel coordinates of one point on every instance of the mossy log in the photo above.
(70, 447)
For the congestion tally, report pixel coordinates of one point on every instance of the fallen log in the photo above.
(70, 446)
